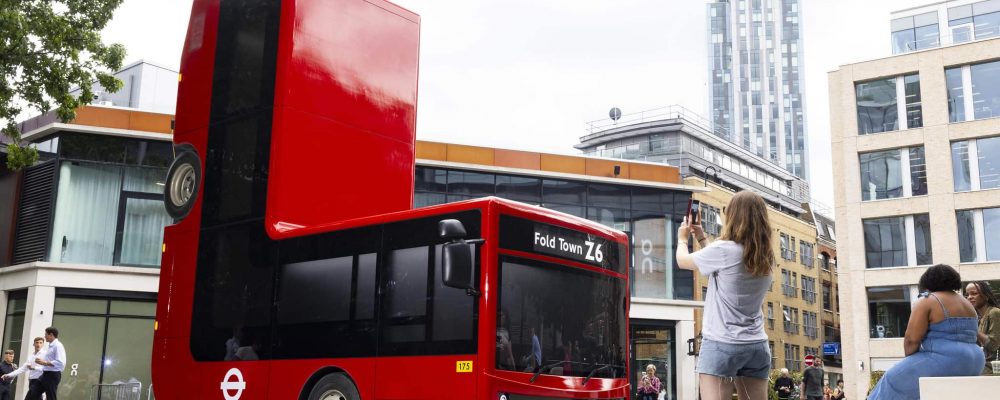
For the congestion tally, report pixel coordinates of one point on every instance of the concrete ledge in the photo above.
(966, 387)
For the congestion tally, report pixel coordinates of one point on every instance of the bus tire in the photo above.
(182, 183)
(334, 387)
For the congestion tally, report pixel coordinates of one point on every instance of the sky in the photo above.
(530, 74)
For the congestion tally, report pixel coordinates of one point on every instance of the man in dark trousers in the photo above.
(812, 381)
(34, 372)
(52, 364)
(783, 385)
(6, 366)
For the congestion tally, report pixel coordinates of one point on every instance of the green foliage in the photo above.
(875, 377)
(47, 47)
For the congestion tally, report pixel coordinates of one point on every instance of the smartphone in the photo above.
(694, 212)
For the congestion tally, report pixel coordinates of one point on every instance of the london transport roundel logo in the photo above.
(230, 386)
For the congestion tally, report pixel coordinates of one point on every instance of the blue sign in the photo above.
(831, 349)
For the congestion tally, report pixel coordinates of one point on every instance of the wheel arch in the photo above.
(319, 374)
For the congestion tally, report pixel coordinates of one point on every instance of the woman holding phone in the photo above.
(734, 352)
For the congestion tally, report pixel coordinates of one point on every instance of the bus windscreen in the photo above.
(560, 320)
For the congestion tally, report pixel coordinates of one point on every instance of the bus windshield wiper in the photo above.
(539, 370)
(594, 371)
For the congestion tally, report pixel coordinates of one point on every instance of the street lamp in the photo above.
(715, 174)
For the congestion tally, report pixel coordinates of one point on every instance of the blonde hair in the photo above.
(748, 225)
(651, 366)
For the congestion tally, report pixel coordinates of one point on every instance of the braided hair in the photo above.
(987, 293)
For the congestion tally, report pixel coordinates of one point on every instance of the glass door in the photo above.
(653, 342)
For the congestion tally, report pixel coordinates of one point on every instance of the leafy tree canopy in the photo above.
(47, 48)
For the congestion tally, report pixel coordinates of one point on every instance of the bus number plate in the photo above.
(463, 366)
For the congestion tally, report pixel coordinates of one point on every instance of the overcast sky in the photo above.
(529, 74)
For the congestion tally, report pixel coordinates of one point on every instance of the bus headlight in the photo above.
(182, 184)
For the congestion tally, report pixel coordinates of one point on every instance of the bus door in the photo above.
(427, 340)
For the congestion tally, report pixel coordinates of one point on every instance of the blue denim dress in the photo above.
(949, 349)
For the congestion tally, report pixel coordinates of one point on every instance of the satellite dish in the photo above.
(615, 113)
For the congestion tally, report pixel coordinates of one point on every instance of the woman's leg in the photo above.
(716, 387)
(751, 388)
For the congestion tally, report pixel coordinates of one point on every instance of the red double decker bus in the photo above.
(296, 269)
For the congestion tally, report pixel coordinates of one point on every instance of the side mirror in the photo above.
(458, 266)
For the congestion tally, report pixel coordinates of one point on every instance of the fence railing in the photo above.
(117, 391)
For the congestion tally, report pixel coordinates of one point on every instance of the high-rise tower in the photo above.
(756, 74)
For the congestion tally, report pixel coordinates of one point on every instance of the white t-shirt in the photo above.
(734, 299)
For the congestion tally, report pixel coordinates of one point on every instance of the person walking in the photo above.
(783, 385)
(734, 352)
(988, 308)
(6, 366)
(812, 381)
(52, 364)
(34, 372)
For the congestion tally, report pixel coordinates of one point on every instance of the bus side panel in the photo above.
(426, 377)
(345, 114)
(197, 66)
(289, 377)
(245, 380)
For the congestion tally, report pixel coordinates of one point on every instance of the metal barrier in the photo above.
(117, 391)
(149, 393)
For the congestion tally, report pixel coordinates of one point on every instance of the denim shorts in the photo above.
(751, 360)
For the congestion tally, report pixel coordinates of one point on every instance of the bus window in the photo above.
(234, 295)
(419, 314)
(326, 295)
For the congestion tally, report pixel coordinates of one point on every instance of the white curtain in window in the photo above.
(142, 236)
(83, 231)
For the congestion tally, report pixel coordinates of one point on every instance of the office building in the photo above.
(916, 145)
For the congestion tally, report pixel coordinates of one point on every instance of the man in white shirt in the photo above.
(52, 364)
(34, 372)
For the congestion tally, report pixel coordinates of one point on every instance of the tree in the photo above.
(48, 47)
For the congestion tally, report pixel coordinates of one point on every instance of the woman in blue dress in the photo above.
(940, 338)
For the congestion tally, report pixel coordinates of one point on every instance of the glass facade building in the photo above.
(649, 215)
(756, 77)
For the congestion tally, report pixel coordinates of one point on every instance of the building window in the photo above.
(806, 254)
(792, 357)
(111, 340)
(974, 227)
(710, 220)
(827, 297)
(973, 90)
(888, 311)
(809, 327)
(979, 20)
(809, 289)
(893, 173)
(109, 204)
(976, 164)
(786, 252)
(879, 108)
(788, 283)
(774, 357)
(898, 241)
(17, 302)
(770, 315)
(915, 33)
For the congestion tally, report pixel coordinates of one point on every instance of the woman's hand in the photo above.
(684, 231)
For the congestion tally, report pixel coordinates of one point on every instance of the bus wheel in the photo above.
(334, 387)
(182, 182)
